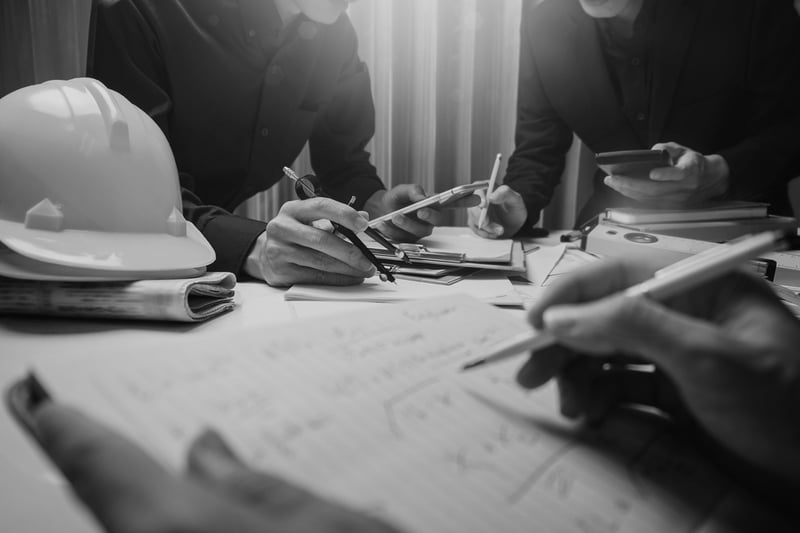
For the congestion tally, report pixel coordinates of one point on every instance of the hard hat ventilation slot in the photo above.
(176, 224)
(45, 216)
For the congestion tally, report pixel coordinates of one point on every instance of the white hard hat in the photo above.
(88, 180)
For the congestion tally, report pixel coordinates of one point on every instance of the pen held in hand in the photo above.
(309, 192)
(492, 181)
(667, 282)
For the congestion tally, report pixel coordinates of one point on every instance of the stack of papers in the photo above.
(493, 290)
(458, 246)
(715, 221)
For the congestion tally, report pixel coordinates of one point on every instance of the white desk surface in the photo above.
(32, 497)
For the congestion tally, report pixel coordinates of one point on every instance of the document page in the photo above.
(494, 290)
(371, 409)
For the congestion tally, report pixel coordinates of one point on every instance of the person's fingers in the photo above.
(481, 195)
(637, 325)
(413, 193)
(396, 234)
(117, 480)
(491, 230)
(213, 462)
(284, 506)
(667, 174)
(294, 274)
(289, 241)
(674, 149)
(592, 282)
(411, 225)
(430, 216)
(471, 200)
(591, 388)
(543, 365)
(503, 195)
(307, 211)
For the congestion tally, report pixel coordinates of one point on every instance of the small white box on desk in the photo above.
(609, 240)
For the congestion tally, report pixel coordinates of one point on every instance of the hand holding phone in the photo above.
(437, 200)
(632, 163)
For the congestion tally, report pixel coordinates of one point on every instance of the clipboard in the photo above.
(516, 262)
(423, 253)
(456, 246)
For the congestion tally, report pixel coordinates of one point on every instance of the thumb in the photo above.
(415, 193)
(502, 195)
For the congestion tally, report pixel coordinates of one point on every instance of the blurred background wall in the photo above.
(444, 77)
(42, 40)
(444, 81)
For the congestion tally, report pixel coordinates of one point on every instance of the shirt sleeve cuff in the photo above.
(232, 238)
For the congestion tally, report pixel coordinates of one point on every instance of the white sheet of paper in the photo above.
(477, 249)
(540, 262)
(366, 408)
(490, 290)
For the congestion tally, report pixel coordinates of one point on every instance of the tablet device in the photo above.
(441, 199)
(632, 163)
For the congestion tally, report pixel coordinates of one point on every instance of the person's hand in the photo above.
(128, 492)
(726, 353)
(300, 247)
(507, 213)
(693, 178)
(413, 226)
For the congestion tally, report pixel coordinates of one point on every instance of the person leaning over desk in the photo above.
(728, 373)
(713, 82)
(239, 88)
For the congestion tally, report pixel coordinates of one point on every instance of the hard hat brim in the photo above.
(110, 252)
(15, 266)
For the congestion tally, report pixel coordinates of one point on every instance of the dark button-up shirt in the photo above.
(627, 60)
(238, 96)
(721, 77)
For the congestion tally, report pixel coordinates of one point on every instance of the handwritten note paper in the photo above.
(369, 410)
(494, 290)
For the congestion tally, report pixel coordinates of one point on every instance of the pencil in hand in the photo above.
(492, 181)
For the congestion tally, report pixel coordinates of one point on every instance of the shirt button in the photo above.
(264, 132)
(636, 61)
(640, 116)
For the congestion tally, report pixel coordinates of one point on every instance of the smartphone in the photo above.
(632, 163)
(441, 199)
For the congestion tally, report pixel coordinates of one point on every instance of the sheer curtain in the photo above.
(444, 79)
(41, 40)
